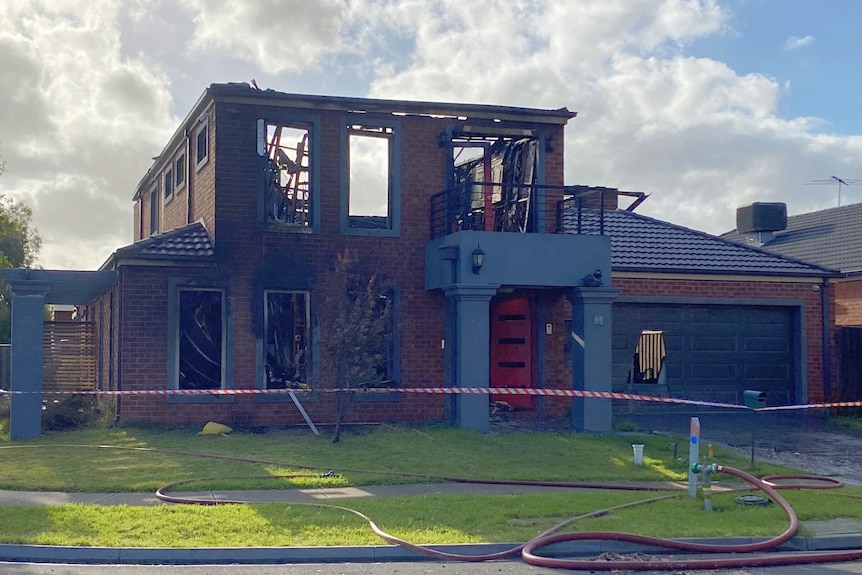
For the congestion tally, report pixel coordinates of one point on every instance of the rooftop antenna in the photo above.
(835, 179)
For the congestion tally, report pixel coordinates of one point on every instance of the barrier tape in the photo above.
(519, 391)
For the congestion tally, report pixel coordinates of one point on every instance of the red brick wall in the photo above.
(753, 290)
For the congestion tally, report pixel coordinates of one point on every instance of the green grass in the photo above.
(849, 421)
(150, 458)
(429, 519)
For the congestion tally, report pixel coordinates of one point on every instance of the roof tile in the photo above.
(644, 244)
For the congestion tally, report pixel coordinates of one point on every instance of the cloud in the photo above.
(276, 35)
(90, 90)
(796, 42)
(78, 123)
(700, 137)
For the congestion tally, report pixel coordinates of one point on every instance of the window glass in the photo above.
(201, 344)
(154, 211)
(202, 145)
(180, 171)
(168, 185)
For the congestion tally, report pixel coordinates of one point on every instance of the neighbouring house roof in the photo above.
(643, 244)
(830, 238)
(188, 243)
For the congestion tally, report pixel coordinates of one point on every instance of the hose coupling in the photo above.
(697, 468)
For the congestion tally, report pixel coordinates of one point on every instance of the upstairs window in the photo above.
(154, 210)
(168, 185)
(371, 174)
(287, 193)
(202, 145)
(180, 171)
(494, 183)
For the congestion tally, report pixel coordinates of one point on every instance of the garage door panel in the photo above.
(766, 372)
(666, 316)
(620, 342)
(766, 344)
(716, 343)
(713, 371)
(712, 316)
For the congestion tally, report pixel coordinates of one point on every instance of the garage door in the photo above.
(713, 352)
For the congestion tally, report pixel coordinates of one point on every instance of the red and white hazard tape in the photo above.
(529, 391)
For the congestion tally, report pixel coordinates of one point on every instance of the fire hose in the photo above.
(529, 550)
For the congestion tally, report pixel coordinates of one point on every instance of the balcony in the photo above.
(520, 208)
(556, 235)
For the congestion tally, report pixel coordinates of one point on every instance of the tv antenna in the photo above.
(832, 180)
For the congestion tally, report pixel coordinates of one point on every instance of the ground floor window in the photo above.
(201, 339)
(286, 347)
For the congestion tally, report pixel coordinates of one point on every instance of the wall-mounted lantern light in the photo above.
(478, 259)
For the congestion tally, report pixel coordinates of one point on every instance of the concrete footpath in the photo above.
(827, 535)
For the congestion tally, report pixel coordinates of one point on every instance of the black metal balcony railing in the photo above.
(522, 208)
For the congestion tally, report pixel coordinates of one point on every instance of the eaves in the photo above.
(720, 276)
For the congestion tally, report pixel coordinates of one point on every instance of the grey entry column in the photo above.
(28, 302)
(591, 355)
(471, 351)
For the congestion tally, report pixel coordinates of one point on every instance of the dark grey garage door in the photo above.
(714, 352)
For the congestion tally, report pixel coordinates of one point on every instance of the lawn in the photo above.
(125, 460)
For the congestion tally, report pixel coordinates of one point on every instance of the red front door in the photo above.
(512, 349)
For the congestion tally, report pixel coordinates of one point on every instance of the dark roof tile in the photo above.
(643, 244)
(191, 241)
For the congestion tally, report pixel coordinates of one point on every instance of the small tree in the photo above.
(360, 333)
(19, 244)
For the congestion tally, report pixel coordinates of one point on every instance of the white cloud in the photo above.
(276, 35)
(78, 123)
(796, 42)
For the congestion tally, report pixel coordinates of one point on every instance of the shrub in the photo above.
(76, 412)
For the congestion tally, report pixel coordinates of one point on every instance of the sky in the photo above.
(705, 105)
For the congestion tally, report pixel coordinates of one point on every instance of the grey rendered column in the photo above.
(471, 362)
(28, 301)
(591, 355)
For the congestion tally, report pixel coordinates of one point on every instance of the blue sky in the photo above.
(820, 71)
(704, 104)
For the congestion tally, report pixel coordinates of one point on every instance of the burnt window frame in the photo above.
(313, 149)
(393, 353)
(460, 136)
(394, 189)
(309, 356)
(175, 286)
